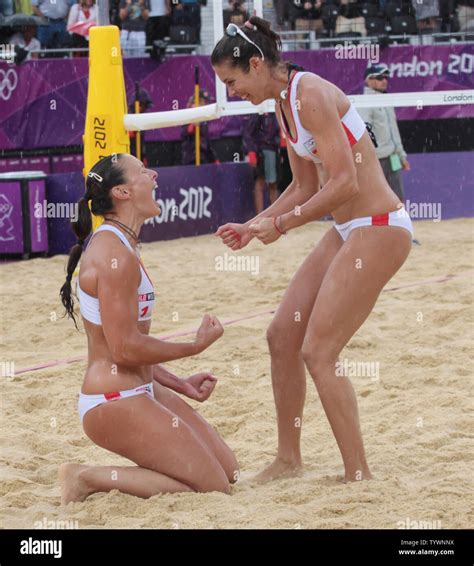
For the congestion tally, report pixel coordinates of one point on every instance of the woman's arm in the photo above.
(168, 379)
(304, 185)
(118, 299)
(123, 12)
(320, 116)
(73, 15)
(198, 386)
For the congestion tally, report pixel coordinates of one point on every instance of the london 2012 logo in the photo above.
(8, 83)
(6, 225)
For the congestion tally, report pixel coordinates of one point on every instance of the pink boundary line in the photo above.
(442, 279)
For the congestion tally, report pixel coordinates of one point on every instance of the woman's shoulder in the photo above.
(314, 87)
(314, 83)
(105, 245)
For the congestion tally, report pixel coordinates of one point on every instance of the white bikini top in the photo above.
(89, 306)
(304, 144)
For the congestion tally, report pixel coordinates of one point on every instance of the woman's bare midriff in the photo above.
(103, 374)
(375, 195)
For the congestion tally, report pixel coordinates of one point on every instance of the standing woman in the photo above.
(127, 404)
(336, 287)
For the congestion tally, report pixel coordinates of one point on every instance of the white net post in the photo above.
(103, 14)
(221, 95)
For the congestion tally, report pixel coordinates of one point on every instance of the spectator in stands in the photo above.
(426, 15)
(134, 14)
(281, 9)
(466, 15)
(22, 7)
(350, 18)
(158, 23)
(261, 139)
(114, 12)
(284, 169)
(26, 39)
(392, 156)
(54, 34)
(306, 15)
(236, 13)
(145, 102)
(188, 137)
(81, 17)
(6, 8)
(189, 12)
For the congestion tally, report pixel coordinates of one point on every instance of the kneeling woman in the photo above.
(126, 403)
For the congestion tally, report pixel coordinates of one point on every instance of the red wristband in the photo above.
(276, 227)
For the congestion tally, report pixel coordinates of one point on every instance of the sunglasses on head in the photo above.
(232, 30)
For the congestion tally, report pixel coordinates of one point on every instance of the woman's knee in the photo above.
(318, 356)
(215, 480)
(185, 458)
(282, 340)
(226, 459)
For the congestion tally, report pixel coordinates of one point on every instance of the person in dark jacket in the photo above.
(145, 103)
(188, 139)
(261, 139)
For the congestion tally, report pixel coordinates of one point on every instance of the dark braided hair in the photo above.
(268, 41)
(104, 175)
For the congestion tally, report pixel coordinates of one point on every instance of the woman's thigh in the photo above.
(201, 427)
(367, 261)
(292, 316)
(149, 434)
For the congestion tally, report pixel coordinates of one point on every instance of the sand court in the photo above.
(412, 364)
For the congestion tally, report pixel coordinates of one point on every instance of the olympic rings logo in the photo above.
(8, 83)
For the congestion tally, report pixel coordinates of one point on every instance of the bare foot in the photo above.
(73, 487)
(279, 469)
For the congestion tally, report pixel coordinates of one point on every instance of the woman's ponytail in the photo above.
(82, 228)
(263, 27)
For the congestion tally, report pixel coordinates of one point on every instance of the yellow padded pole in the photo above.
(104, 132)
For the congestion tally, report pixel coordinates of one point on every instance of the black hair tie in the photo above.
(69, 278)
(80, 242)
